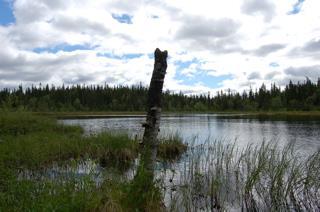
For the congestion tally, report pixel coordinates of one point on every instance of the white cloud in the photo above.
(237, 38)
(262, 7)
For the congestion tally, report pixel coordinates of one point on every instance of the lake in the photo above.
(210, 170)
(198, 128)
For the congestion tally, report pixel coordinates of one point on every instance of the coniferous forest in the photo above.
(301, 96)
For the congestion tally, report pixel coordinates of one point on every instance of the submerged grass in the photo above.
(214, 176)
(32, 144)
(221, 177)
(171, 147)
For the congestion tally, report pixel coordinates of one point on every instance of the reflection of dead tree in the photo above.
(152, 124)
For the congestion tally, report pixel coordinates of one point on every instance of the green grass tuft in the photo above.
(171, 147)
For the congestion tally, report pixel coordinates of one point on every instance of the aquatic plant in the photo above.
(32, 146)
(219, 176)
(215, 175)
(171, 147)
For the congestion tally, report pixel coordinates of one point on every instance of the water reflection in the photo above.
(305, 134)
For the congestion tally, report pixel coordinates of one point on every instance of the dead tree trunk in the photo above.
(152, 124)
(143, 191)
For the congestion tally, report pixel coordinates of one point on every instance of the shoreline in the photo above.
(314, 115)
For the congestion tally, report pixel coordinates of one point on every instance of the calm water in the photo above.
(198, 128)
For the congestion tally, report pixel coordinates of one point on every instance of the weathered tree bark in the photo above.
(143, 191)
(152, 124)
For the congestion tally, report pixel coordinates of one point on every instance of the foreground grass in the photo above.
(31, 142)
(35, 143)
(212, 176)
(218, 176)
(30, 145)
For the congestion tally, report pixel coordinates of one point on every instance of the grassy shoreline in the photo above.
(265, 176)
(33, 145)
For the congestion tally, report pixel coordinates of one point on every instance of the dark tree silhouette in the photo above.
(295, 96)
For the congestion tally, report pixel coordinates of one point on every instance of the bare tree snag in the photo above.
(143, 190)
(152, 124)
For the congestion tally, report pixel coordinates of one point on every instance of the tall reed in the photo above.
(218, 176)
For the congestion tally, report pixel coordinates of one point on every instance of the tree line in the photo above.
(295, 96)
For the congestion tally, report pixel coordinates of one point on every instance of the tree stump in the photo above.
(152, 124)
(144, 193)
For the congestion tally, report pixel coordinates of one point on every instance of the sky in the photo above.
(212, 44)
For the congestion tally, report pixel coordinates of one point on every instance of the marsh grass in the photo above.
(213, 176)
(144, 193)
(32, 142)
(32, 147)
(171, 147)
(23, 123)
(218, 176)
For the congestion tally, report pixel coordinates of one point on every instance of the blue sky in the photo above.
(274, 64)
(211, 45)
(119, 57)
(62, 47)
(203, 78)
(199, 76)
(6, 13)
(296, 7)
(123, 18)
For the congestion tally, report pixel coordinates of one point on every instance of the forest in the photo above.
(300, 96)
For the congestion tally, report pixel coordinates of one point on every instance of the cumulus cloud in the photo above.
(82, 41)
(268, 49)
(80, 25)
(312, 46)
(309, 49)
(312, 72)
(271, 75)
(199, 27)
(125, 6)
(30, 11)
(254, 75)
(214, 34)
(266, 8)
(35, 68)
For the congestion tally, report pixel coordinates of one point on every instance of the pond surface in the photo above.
(189, 178)
(198, 128)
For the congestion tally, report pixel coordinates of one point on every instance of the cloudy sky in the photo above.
(212, 44)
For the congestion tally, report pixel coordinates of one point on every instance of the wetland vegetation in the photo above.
(52, 166)
(214, 175)
(31, 146)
